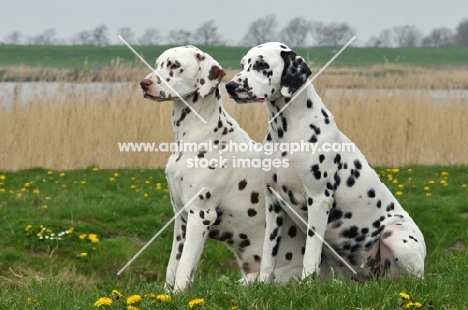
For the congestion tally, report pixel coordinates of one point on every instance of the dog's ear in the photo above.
(295, 73)
(210, 74)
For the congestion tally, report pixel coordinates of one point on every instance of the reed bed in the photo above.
(69, 129)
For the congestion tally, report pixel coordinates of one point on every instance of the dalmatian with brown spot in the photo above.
(337, 193)
(232, 207)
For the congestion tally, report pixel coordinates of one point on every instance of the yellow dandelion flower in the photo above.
(48, 230)
(69, 230)
(95, 169)
(399, 193)
(145, 195)
(33, 301)
(196, 301)
(428, 194)
(103, 301)
(400, 186)
(133, 178)
(426, 188)
(2, 177)
(117, 294)
(93, 238)
(131, 307)
(132, 186)
(82, 236)
(443, 181)
(116, 174)
(147, 182)
(133, 299)
(410, 170)
(417, 304)
(23, 189)
(2, 190)
(18, 195)
(444, 173)
(395, 181)
(62, 174)
(45, 207)
(50, 172)
(83, 254)
(464, 185)
(404, 295)
(163, 297)
(83, 182)
(28, 227)
(431, 182)
(27, 184)
(47, 198)
(111, 179)
(395, 170)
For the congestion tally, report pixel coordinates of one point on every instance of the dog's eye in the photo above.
(175, 65)
(261, 66)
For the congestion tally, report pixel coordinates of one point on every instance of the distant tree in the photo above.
(207, 34)
(461, 37)
(47, 37)
(316, 32)
(13, 38)
(384, 39)
(335, 34)
(439, 37)
(127, 34)
(261, 30)
(295, 32)
(82, 38)
(408, 35)
(100, 36)
(179, 37)
(150, 36)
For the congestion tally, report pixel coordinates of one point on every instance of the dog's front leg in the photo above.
(317, 215)
(272, 238)
(198, 226)
(178, 241)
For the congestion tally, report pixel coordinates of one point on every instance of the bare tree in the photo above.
(127, 34)
(13, 38)
(207, 34)
(461, 37)
(100, 36)
(46, 37)
(439, 37)
(179, 37)
(316, 31)
(335, 34)
(150, 36)
(384, 39)
(408, 35)
(82, 38)
(261, 30)
(295, 32)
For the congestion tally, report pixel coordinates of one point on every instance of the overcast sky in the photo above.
(368, 17)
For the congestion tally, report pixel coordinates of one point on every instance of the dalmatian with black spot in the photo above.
(337, 193)
(232, 207)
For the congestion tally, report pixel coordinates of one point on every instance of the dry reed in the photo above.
(71, 130)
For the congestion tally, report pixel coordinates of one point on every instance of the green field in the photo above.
(115, 212)
(229, 57)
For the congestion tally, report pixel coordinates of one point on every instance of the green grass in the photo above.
(116, 209)
(228, 56)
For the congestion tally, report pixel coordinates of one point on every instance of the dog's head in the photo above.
(186, 70)
(269, 71)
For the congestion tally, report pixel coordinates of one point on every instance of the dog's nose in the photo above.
(145, 84)
(231, 86)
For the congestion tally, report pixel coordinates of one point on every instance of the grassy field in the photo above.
(80, 57)
(106, 216)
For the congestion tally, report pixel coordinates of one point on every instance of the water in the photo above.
(29, 90)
